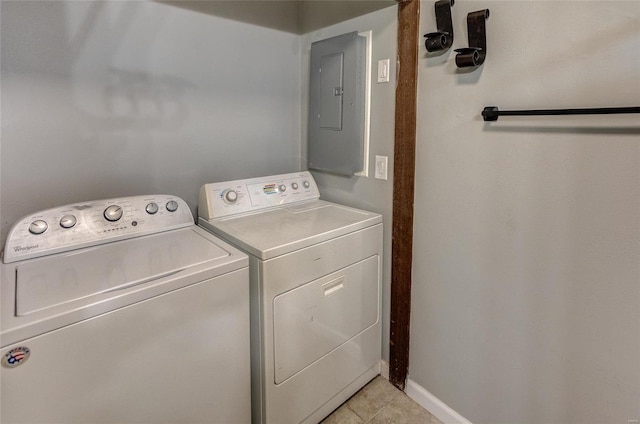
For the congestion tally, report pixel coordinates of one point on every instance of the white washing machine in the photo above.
(123, 311)
(315, 271)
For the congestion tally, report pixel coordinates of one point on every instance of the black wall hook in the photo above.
(443, 38)
(475, 54)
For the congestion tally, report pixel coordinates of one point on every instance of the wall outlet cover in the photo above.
(383, 70)
(382, 164)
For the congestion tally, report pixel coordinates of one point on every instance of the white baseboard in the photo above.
(384, 369)
(435, 406)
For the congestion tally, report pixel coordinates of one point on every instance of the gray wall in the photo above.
(365, 192)
(107, 99)
(527, 231)
(526, 271)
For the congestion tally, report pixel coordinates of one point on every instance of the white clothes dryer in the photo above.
(122, 311)
(315, 271)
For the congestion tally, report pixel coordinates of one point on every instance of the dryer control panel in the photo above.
(86, 224)
(222, 199)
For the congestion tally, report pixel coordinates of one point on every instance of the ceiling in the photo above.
(295, 16)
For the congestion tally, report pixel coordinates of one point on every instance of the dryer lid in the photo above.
(278, 231)
(59, 279)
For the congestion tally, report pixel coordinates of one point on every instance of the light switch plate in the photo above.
(383, 70)
(382, 163)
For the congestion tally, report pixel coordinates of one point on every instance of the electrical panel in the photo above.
(337, 104)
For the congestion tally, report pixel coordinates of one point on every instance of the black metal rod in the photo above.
(491, 113)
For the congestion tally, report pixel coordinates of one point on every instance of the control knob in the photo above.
(230, 196)
(68, 221)
(151, 208)
(38, 227)
(294, 186)
(172, 205)
(306, 184)
(282, 188)
(113, 213)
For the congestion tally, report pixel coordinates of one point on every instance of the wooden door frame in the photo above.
(403, 190)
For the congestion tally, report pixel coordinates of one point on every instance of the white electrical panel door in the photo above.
(337, 95)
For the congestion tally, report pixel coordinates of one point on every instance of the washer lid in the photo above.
(55, 280)
(278, 231)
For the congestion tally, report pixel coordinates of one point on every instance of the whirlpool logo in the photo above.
(19, 249)
(16, 356)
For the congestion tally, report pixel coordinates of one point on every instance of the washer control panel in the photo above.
(86, 224)
(233, 197)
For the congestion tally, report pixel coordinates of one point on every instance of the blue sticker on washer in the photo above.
(16, 356)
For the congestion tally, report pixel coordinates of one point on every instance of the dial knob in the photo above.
(230, 196)
(151, 208)
(282, 188)
(38, 227)
(172, 205)
(306, 184)
(68, 221)
(113, 213)
(294, 186)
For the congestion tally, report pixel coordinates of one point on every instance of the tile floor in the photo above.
(379, 402)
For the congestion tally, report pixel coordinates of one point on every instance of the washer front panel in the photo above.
(180, 357)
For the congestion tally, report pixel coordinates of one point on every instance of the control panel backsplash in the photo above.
(86, 224)
(233, 197)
